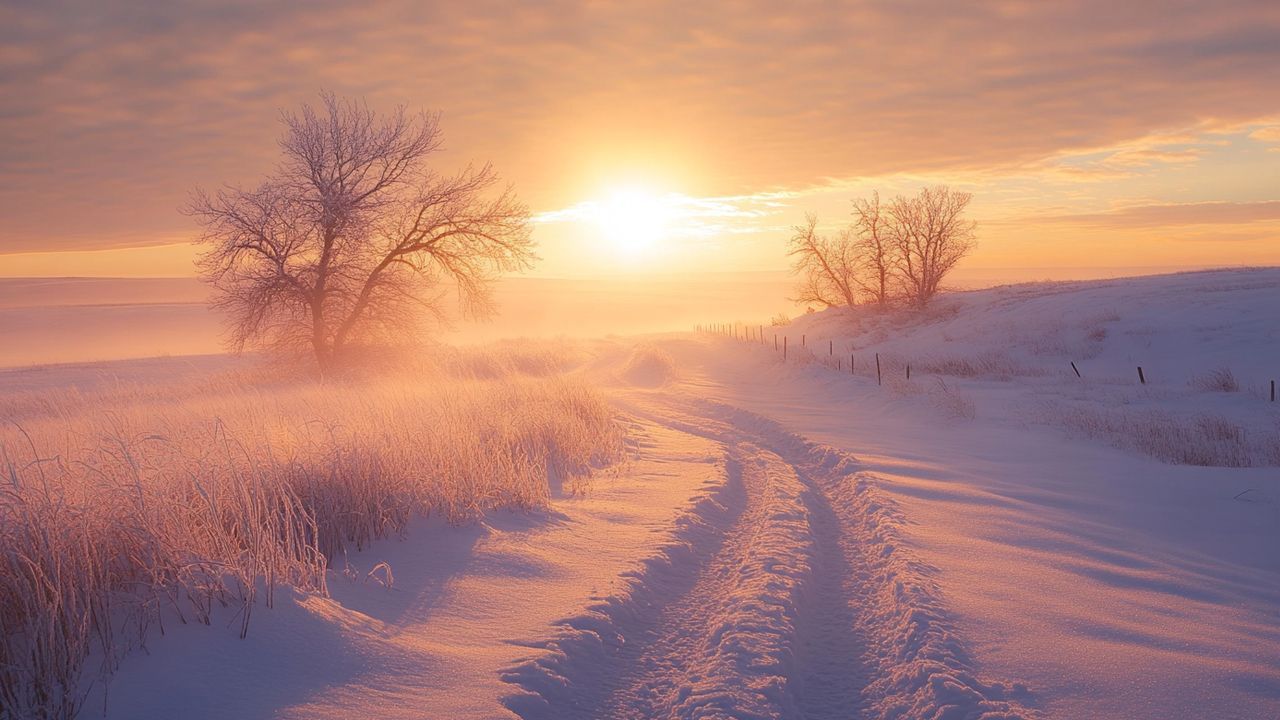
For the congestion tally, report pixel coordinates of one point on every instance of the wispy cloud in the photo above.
(1176, 214)
(692, 217)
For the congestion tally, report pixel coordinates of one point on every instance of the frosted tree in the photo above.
(930, 235)
(854, 265)
(827, 266)
(355, 237)
(874, 246)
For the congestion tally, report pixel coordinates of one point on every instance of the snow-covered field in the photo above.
(994, 537)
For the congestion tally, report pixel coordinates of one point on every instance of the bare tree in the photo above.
(930, 235)
(875, 246)
(855, 263)
(827, 266)
(354, 237)
(911, 243)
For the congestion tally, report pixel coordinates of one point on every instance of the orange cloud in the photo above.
(1176, 215)
(113, 113)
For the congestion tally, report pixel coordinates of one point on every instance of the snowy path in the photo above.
(790, 599)
(737, 616)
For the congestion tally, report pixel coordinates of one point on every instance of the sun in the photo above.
(634, 219)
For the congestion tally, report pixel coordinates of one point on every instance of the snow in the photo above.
(792, 539)
(465, 603)
(1110, 583)
(1175, 326)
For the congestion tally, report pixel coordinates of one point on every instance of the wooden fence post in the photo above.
(1073, 367)
(878, 380)
(1141, 378)
(850, 363)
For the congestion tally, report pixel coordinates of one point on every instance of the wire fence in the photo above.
(862, 364)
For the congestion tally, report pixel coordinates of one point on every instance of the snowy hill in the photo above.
(1176, 326)
(1207, 343)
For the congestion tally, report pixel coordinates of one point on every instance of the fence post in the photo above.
(802, 342)
(850, 363)
(908, 371)
(1141, 378)
(1273, 391)
(775, 342)
(1073, 367)
(831, 347)
(878, 380)
(784, 348)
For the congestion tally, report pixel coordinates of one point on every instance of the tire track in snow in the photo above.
(789, 596)
(726, 647)
(918, 667)
(832, 677)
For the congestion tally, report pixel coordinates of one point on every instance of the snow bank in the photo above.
(649, 366)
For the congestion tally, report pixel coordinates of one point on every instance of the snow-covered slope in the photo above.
(1068, 355)
(1175, 326)
(1114, 546)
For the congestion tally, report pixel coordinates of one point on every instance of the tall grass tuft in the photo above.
(122, 511)
(1219, 380)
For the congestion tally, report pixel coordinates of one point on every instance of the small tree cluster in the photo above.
(900, 250)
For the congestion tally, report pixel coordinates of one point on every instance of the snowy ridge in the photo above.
(785, 592)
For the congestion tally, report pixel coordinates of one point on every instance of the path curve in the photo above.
(789, 594)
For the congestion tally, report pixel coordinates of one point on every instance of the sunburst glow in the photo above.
(634, 219)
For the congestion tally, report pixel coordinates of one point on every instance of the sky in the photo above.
(667, 137)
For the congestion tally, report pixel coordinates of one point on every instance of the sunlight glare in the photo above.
(634, 219)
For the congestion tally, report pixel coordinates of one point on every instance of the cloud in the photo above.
(1268, 134)
(690, 217)
(1179, 215)
(113, 110)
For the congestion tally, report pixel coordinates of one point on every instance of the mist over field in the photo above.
(62, 320)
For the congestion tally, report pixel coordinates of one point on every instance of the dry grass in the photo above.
(990, 365)
(951, 402)
(122, 508)
(1204, 439)
(1220, 380)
